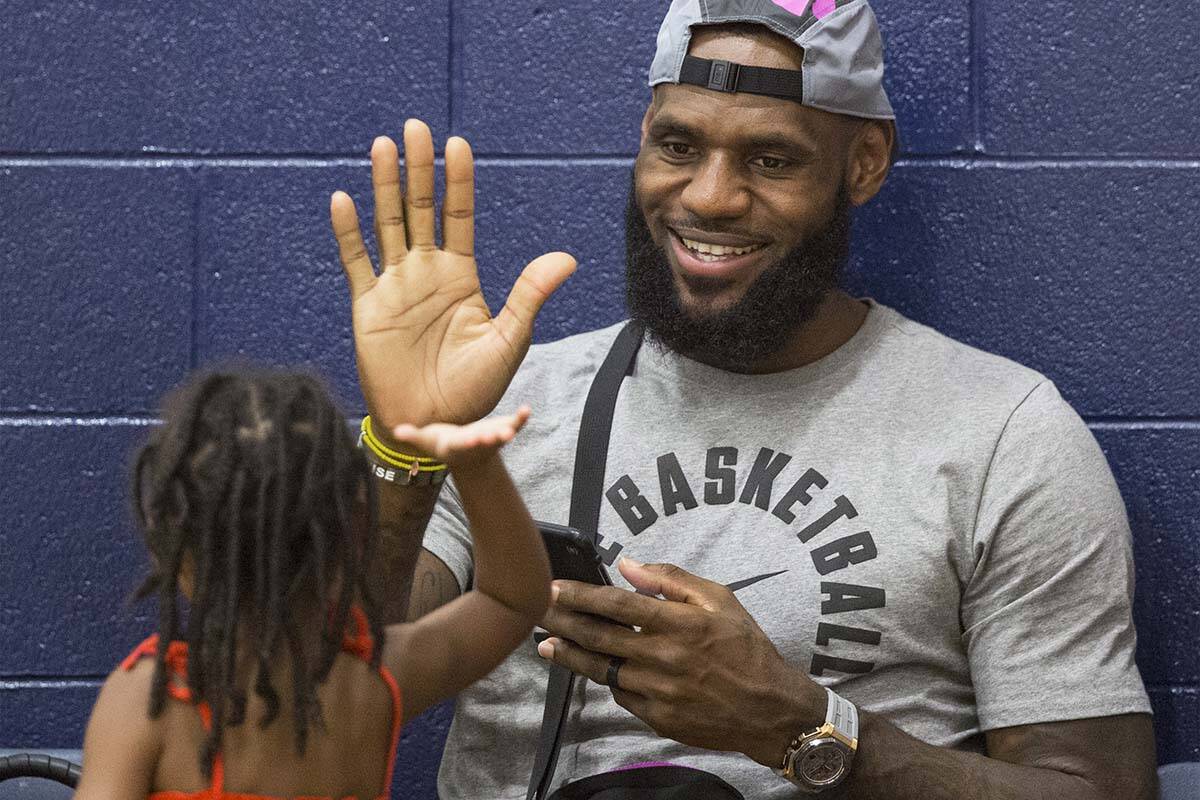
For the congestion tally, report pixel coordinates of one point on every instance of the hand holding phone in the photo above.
(573, 555)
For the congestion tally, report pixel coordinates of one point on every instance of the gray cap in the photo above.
(843, 53)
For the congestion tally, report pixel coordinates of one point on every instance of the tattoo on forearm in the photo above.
(404, 513)
(432, 589)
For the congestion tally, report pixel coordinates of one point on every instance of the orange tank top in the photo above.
(359, 645)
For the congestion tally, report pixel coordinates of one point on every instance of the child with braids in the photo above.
(278, 680)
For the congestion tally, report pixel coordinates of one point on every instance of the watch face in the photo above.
(822, 764)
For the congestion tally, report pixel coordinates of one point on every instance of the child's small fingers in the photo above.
(450, 442)
(414, 438)
(464, 439)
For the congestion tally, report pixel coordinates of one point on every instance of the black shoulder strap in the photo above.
(591, 454)
(591, 449)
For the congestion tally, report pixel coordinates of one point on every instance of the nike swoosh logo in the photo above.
(733, 587)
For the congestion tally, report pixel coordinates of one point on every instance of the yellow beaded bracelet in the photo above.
(394, 458)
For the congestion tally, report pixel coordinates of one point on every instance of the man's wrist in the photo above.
(396, 466)
(819, 760)
(802, 704)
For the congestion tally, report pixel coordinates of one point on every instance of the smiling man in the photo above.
(872, 562)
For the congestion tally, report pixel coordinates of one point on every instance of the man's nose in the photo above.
(716, 190)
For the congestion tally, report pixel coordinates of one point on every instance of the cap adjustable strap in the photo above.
(726, 76)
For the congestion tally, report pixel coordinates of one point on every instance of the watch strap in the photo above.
(843, 716)
(841, 724)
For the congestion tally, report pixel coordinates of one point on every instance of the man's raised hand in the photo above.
(428, 348)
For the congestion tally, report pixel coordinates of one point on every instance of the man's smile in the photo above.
(705, 258)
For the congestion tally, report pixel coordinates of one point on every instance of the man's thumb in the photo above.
(540, 279)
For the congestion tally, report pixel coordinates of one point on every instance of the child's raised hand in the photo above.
(462, 446)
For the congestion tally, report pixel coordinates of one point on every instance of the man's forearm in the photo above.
(404, 513)
(891, 764)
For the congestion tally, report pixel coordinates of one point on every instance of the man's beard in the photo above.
(760, 324)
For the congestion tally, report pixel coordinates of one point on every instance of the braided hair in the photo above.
(255, 485)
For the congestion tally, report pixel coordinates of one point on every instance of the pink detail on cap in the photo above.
(820, 9)
(797, 7)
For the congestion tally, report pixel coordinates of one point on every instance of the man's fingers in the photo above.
(632, 678)
(540, 279)
(389, 213)
(598, 635)
(418, 171)
(618, 605)
(673, 583)
(458, 210)
(351, 249)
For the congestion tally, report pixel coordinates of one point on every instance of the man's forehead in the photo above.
(741, 118)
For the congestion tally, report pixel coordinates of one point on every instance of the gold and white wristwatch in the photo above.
(821, 759)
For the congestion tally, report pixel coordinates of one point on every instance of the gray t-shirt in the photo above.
(927, 529)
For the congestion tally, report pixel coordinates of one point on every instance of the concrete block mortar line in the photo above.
(1172, 688)
(975, 48)
(43, 682)
(1143, 423)
(286, 162)
(947, 161)
(182, 161)
(1015, 162)
(73, 419)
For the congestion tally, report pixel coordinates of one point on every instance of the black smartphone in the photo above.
(573, 555)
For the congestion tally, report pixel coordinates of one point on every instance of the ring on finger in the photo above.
(614, 668)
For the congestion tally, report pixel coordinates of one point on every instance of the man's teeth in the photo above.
(716, 250)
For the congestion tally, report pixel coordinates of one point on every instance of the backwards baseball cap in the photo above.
(843, 53)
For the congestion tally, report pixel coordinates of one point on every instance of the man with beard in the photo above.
(851, 519)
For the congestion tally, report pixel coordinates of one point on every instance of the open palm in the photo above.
(428, 348)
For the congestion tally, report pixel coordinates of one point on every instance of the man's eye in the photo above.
(771, 163)
(676, 149)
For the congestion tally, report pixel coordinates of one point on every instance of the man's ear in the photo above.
(870, 157)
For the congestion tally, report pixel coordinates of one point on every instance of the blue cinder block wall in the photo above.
(165, 170)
